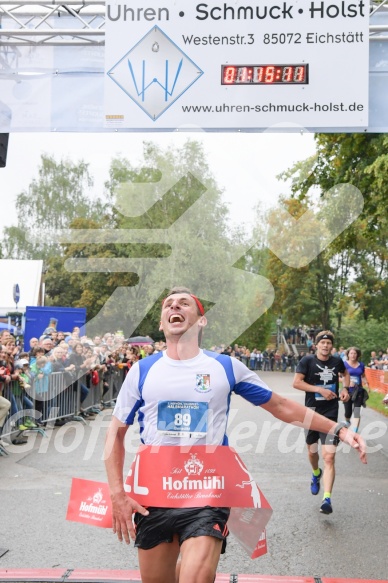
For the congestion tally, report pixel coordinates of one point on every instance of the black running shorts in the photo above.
(315, 436)
(162, 524)
(355, 405)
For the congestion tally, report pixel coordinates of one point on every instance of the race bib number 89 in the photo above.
(182, 418)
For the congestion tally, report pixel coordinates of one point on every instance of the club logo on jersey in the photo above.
(202, 383)
(327, 375)
(193, 466)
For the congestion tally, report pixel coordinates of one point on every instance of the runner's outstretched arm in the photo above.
(297, 414)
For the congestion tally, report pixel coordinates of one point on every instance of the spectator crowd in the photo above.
(82, 361)
(85, 362)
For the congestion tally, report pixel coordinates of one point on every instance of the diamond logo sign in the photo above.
(155, 73)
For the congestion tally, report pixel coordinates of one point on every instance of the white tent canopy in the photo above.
(28, 275)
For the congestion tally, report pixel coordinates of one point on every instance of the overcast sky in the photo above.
(245, 165)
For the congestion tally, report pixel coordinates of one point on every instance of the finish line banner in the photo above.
(184, 477)
(240, 65)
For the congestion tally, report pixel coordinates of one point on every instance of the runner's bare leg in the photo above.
(157, 565)
(199, 559)
(313, 455)
(328, 454)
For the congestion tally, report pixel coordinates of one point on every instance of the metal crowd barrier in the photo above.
(244, 359)
(114, 377)
(56, 397)
(92, 402)
(108, 388)
(47, 400)
(21, 417)
(58, 400)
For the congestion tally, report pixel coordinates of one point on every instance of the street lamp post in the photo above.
(279, 331)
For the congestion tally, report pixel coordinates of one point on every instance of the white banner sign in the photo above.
(236, 65)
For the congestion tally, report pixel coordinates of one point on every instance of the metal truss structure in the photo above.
(52, 55)
(34, 23)
(378, 32)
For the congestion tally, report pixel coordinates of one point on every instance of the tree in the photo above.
(258, 334)
(59, 195)
(360, 160)
(316, 292)
(68, 287)
(255, 260)
(167, 226)
(370, 335)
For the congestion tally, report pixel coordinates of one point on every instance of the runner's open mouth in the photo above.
(176, 318)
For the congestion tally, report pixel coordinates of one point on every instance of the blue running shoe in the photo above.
(315, 483)
(326, 506)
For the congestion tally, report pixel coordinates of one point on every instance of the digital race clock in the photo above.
(264, 74)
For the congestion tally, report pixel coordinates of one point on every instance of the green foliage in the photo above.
(375, 402)
(174, 196)
(305, 295)
(178, 179)
(16, 246)
(258, 334)
(354, 267)
(90, 290)
(57, 197)
(368, 336)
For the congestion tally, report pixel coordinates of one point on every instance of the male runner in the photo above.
(171, 377)
(317, 375)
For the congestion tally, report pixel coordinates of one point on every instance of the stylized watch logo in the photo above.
(168, 79)
(155, 73)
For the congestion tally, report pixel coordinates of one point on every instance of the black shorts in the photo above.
(356, 404)
(314, 436)
(162, 524)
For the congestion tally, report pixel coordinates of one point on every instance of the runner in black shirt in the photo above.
(317, 375)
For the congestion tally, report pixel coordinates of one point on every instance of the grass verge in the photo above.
(375, 402)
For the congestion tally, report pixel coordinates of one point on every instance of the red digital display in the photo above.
(264, 74)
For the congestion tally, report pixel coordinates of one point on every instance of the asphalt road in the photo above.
(35, 482)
